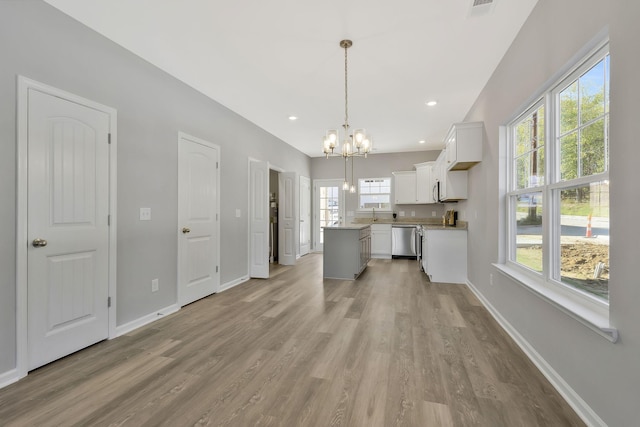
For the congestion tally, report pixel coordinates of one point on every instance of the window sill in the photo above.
(590, 317)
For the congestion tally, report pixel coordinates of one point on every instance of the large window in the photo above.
(374, 193)
(558, 186)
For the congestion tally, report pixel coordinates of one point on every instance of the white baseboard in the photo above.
(152, 317)
(574, 400)
(9, 377)
(145, 320)
(231, 284)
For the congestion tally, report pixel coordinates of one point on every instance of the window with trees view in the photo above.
(558, 191)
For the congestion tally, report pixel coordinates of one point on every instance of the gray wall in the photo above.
(41, 43)
(377, 166)
(605, 375)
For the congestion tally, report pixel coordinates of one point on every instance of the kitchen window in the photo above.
(374, 193)
(557, 190)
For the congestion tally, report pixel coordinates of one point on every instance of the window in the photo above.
(558, 184)
(374, 193)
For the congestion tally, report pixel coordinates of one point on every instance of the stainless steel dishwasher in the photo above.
(403, 241)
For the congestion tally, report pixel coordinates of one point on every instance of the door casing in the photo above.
(305, 215)
(24, 85)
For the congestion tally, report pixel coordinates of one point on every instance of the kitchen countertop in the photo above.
(428, 223)
(347, 227)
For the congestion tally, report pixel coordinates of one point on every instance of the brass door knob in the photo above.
(39, 243)
(186, 230)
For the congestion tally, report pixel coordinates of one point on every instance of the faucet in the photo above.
(374, 215)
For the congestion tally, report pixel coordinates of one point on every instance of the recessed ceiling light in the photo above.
(422, 141)
(431, 103)
(292, 118)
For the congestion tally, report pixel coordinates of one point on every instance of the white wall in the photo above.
(605, 375)
(41, 43)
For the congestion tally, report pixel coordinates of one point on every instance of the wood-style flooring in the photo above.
(388, 349)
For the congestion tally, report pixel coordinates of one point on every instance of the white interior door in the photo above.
(67, 227)
(305, 215)
(328, 205)
(259, 219)
(198, 225)
(287, 218)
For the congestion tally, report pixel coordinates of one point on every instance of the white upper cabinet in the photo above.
(452, 185)
(464, 145)
(414, 187)
(404, 186)
(424, 183)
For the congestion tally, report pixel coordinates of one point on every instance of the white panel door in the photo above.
(305, 215)
(287, 218)
(67, 223)
(259, 219)
(198, 226)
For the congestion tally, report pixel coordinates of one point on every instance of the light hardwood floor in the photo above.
(389, 349)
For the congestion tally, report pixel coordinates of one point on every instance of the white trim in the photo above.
(24, 85)
(574, 400)
(145, 320)
(233, 283)
(9, 377)
(186, 136)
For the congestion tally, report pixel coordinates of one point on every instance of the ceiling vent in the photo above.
(481, 7)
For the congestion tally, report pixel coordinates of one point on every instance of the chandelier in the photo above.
(356, 144)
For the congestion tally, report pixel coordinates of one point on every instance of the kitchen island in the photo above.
(347, 250)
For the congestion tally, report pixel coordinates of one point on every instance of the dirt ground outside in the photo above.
(579, 265)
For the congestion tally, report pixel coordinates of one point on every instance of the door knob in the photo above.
(186, 230)
(39, 243)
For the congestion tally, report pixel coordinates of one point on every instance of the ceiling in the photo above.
(268, 60)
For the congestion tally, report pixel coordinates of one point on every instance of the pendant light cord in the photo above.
(346, 94)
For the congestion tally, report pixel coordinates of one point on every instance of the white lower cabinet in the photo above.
(381, 241)
(444, 253)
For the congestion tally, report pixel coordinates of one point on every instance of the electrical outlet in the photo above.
(401, 213)
(145, 214)
(413, 213)
(433, 213)
(491, 279)
(238, 213)
(154, 285)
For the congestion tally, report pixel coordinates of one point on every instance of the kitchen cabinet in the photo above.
(381, 241)
(464, 145)
(347, 251)
(414, 187)
(404, 187)
(444, 255)
(453, 184)
(424, 182)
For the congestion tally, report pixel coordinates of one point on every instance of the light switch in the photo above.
(238, 213)
(145, 214)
